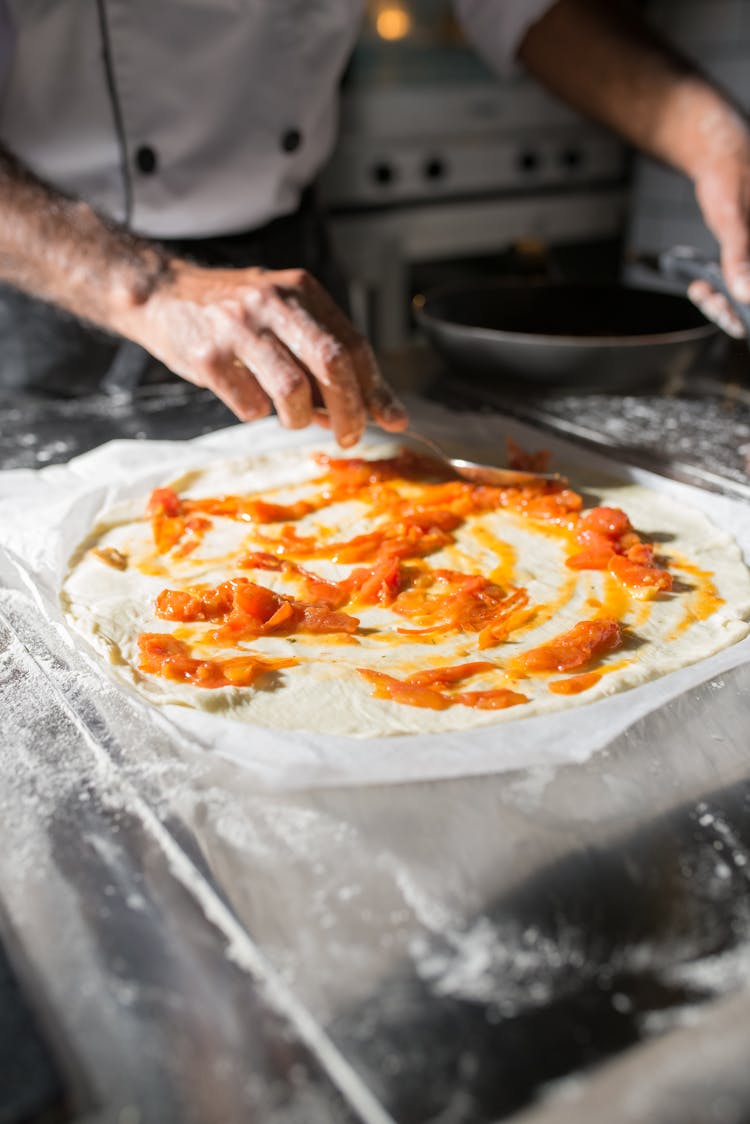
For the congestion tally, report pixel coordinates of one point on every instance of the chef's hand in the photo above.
(723, 192)
(646, 90)
(257, 338)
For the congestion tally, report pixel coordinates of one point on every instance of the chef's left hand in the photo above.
(723, 192)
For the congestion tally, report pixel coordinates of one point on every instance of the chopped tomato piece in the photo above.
(164, 501)
(166, 509)
(160, 645)
(431, 519)
(258, 611)
(332, 595)
(257, 603)
(167, 531)
(287, 541)
(260, 560)
(501, 628)
(282, 615)
(642, 581)
(448, 600)
(247, 609)
(387, 687)
(356, 472)
(498, 699)
(315, 587)
(198, 604)
(572, 649)
(507, 614)
(319, 618)
(250, 508)
(606, 535)
(608, 521)
(593, 558)
(378, 586)
(412, 693)
(165, 655)
(197, 524)
(358, 549)
(262, 512)
(196, 527)
(574, 684)
(554, 506)
(242, 671)
(595, 540)
(178, 605)
(412, 537)
(642, 553)
(519, 459)
(442, 676)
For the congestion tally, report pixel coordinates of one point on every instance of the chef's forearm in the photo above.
(601, 58)
(59, 249)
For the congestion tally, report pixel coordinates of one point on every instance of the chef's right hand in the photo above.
(258, 338)
(722, 188)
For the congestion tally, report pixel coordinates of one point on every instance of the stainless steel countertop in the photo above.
(546, 945)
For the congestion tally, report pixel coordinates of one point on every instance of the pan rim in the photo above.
(420, 307)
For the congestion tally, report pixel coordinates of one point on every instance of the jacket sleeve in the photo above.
(496, 28)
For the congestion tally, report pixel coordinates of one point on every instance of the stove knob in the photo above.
(571, 158)
(434, 168)
(383, 173)
(528, 160)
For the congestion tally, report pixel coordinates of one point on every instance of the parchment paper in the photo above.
(45, 513)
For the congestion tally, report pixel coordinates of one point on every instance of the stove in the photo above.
(439, 159)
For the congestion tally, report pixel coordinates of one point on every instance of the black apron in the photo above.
(46, 350)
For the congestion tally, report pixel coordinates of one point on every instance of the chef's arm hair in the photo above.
(256, 338)
(600, 57)
(60, 250)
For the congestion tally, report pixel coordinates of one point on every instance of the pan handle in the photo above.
(686, 264)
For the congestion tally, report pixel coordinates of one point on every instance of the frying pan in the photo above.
(557, 333)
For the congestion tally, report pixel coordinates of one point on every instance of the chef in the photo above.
(156, 165)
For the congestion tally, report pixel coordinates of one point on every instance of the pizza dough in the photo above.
(116, 575)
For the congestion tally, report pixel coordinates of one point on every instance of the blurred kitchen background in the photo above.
(446, 172)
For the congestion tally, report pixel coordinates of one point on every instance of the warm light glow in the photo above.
(393, 22)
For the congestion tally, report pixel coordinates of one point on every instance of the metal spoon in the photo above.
(484, 473)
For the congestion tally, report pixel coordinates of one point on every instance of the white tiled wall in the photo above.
(716, 33)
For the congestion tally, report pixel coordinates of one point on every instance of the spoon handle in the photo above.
(484, 473)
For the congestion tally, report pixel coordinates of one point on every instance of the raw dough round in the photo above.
(324, 693)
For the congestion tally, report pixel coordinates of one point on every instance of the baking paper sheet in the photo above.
(44, 514)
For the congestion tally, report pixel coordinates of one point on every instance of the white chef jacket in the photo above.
(191, 118)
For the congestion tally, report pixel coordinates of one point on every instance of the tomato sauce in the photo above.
(246, 610)
(165, 655)
(575, 648)
(574, 684)
(608, 542)
(412, 509)
(421, 689)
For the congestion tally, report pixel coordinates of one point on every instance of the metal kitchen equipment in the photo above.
(438, 160)
(554, 946)
(482, 473)
(605, 336)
